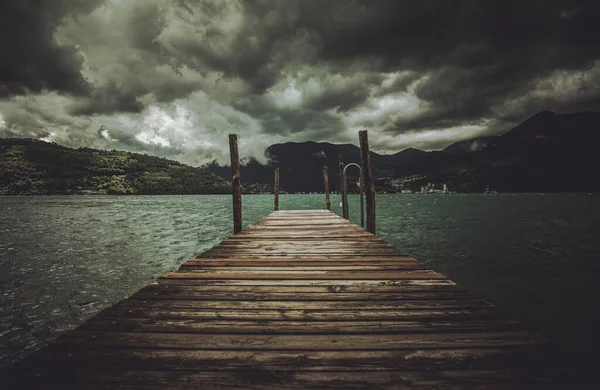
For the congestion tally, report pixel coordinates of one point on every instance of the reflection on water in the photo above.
(63, 259)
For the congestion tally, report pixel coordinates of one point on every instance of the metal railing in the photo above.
(345, 194)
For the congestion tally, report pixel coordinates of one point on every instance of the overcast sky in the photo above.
(174, 77)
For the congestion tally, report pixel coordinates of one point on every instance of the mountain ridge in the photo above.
(547, 152)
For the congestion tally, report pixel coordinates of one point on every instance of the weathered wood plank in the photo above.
(299, 242)
(277, 262)
(347, 275)
(341, 284)
(318, 342)
(198, 304)
(325, 286)
(161, 325)
(303, 315)
(190, 292)
(316, 361)
(195, 267)
(217, 253)
(262, 379)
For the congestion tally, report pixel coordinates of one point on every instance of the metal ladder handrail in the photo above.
(361, 186)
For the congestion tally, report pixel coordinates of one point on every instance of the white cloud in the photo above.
(424, 139)
(383, 111)
(193, 129)
(40, 115)
(559, 88)
(50, 137)
(289, 97)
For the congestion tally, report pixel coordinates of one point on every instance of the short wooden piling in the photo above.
(276, 190)
(368, 179)
(236, 183)
(326, 181)
(343, 187)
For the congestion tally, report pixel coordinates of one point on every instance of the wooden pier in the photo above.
(300, 300)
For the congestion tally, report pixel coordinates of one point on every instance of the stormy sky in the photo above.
(174, 77)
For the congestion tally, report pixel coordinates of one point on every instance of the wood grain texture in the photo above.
(236, 183)
(301, 300)
(368, 180)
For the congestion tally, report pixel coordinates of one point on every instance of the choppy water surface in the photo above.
(63, 259)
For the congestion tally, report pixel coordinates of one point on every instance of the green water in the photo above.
(63, 259)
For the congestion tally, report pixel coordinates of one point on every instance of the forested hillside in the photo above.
(30, 167)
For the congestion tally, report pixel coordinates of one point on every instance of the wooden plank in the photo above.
(357, 241)
(309, 316)
(334, 284)
(189, 304)
(307, 225)
(292, 255)
(283, 262)
(161, 325)
(187, 267)
(312, 361)
(277, 287)
(294, 250)
(302, 237)
(318, 342)
(349, 286)
(263, 379)
(365, 275)
(187, 292)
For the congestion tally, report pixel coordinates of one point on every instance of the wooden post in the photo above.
(276, 191)
(368, 179)
(343, 187)
(326, 180)
(236, 184)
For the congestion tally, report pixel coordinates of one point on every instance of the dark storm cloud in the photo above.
(290, 120)
(108, 99)
(342, 92)
(476, 53)
(32, 60)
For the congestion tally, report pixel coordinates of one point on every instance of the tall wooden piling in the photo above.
(276, 190)
(343, 187)
(326, 181)
(236, 183)
(368, 179)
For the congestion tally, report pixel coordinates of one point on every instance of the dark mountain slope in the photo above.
(36, 167)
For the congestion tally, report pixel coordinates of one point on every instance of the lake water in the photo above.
(63, 259)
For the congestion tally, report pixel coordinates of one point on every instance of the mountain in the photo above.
(548, 152)
(469, 146)
(29, 167)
